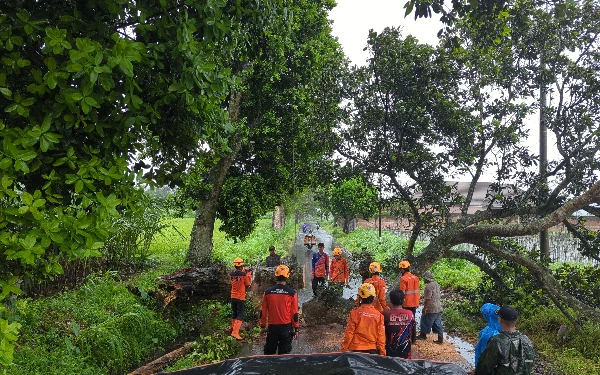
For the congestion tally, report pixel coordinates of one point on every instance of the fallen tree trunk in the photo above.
(162, 362)
(213, 283)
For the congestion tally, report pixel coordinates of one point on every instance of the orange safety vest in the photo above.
(365, 330)
(380, 287)
(409, 284)
(339, 271)
(240, 280)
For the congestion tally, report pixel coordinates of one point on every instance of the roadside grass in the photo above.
(102, 328)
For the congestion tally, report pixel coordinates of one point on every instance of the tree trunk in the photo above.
(347, 224)
(278, 218)
(201, 237)
(199, 252)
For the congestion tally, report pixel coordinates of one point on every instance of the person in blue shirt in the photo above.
(488, 310)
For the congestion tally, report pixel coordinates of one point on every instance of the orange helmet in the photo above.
(282, 270)
(337, 251)
(374, 267)
(404, 264)
(367, 290)
(238, 262)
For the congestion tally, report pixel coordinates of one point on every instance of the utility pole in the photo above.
(380, 209)
(544, 238)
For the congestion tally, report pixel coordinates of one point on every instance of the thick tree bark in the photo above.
(481, 234)
(278, 218)
(199, 252)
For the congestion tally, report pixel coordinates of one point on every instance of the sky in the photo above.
(352, 20)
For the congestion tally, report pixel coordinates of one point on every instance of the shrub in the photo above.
(122, 342)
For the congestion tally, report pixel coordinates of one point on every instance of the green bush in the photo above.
(587, 341)
(462, 317)
(123, 341)
(59, 331)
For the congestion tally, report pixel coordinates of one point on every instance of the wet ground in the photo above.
(328, 337)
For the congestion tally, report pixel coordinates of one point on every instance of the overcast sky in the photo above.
(352, 20)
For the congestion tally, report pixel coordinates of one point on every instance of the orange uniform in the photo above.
(339, 272)
(279, 306)
(380, 286)
(365, 330)
(409, 284)
(240, 280)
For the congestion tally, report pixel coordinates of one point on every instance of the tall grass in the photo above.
(100, 328)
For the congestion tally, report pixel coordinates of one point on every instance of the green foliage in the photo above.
(123, 341)
(462, 316)
(350, 198)
(208, 349)
(457, 274)
(133, 233)
(254, 249)
(582, 281)
(101, 327)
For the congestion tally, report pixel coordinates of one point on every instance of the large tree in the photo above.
(288, 104)
(90, 88)
(349, 198)
(417, 122)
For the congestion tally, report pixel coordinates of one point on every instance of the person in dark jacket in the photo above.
(279, 314)
(274, 259)
(488, 310)
(508, 353)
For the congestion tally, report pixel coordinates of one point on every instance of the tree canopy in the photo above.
(91, 91)
(421, 115)
(349, 198)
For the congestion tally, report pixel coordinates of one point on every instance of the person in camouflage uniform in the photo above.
(508, 353)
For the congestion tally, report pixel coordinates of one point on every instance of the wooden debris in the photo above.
(162, 362)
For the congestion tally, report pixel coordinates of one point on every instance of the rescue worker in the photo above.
(279, 314)
(273, 260)
(240, 279)
(431, 317)
(409, 284)
(488, 310)
(339, 272)
(320, 268)
(365, 331)
(399, 324)
(380, 287)
(510, 351)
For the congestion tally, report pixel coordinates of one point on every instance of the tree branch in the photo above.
(483, 265)
(543, 275)
(554, 218)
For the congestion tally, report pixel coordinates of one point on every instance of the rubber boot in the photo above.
(235, 331)
(422, 336)
(440, 339)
